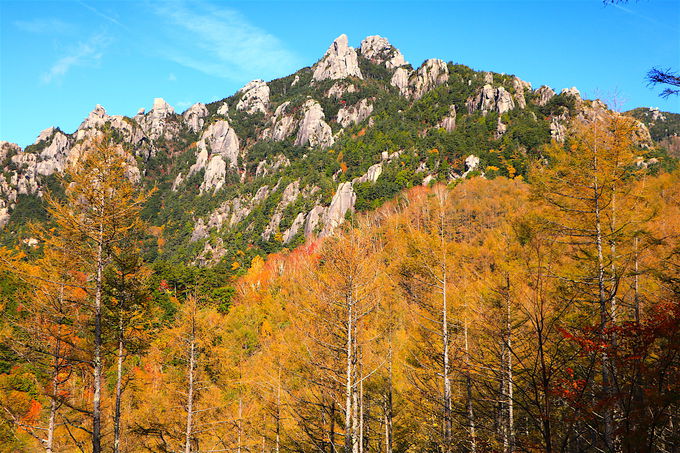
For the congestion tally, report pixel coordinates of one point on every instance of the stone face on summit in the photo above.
(339, 62)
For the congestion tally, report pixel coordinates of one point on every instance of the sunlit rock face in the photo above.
(339, 62)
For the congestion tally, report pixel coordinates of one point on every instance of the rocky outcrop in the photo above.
(229, 214)
(254, 97)
(53, 158)
(289, 195)
(342, 201)
(223, 110)
(354, 114)
(339, 62)
(431, 74)
(156, 123)
(266, 167)
(489, 98)
(314, 131)
(215, 174)
(195, 116)
(415, 85)
(282, 124)
(449, 121)
(400, 80)
(520, 86)
(371, 175)
(379, 50)
(294, 228)
(543, 95)
(340, 88)
(222, 140)
(573, 91)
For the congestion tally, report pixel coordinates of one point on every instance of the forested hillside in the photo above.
(359, 257)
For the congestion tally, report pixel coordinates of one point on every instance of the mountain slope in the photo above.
(282, 160)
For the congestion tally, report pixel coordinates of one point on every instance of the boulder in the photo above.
(339, 62)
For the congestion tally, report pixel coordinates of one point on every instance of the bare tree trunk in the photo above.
(604, 315)
(96, 403)
(49, 444)
(510, 428)
(468, 394)
(119, 387)
(447, 382)
(349, 385)
(190, 386)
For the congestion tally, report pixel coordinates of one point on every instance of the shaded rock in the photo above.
(195, 116)
(282, 124)
(490, 99)
(543, 95)
(222, 140)
(400, 80)
(289, 195)
(339, 89)
(520, 86)
(294, 229)
(215, 174)
(431, 74)
(371, 175)
(339, 62)
(354, 114)
(343, 201)
(449, 121)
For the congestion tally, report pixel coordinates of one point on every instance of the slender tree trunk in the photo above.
(468, 392)
(331, 434)
(510, 427)
(387, 404)
(96, 404)
(636, 296)
(49, 444)
(447, 382)
(190, 387)
(604, 315)
(349, 385)
(119, 387)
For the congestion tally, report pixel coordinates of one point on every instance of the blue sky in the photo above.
(60, 58)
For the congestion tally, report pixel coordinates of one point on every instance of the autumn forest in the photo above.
(537, 313)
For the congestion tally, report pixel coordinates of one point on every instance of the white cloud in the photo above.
(87, 53)
(219, 41)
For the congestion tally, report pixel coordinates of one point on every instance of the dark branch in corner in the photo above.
(664, 77)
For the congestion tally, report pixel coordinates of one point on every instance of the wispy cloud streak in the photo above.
(219, 41)
(87, 53)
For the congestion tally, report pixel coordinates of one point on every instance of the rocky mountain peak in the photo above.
(339, 62)
(161, 108)
(380, 51)
(46, 134)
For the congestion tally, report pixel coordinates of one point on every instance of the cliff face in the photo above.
(282, 160)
